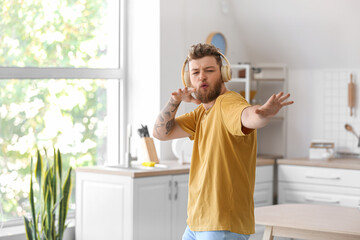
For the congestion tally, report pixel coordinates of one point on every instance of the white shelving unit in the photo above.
(266, 79)
(235, 68)
(271, 80)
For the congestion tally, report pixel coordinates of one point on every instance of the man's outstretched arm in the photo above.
(258, 116)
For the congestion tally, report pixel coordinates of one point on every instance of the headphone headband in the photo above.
(225, 71)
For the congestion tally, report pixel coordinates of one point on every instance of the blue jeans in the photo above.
(213, 235)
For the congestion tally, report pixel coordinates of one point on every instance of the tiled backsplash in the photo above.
(336, 110)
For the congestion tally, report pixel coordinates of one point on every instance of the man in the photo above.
(223, 127)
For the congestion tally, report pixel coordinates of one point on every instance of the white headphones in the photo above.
(225, 71)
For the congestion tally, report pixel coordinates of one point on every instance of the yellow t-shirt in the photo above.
(222, 172)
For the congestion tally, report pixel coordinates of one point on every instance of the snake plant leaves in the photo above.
(59, 163)
(28, 229)
(39, 167)
(64, 205)
(32, 202)
(48, 213)
(54, 182)
(45, 225)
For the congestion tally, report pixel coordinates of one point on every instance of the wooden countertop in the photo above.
(264, 161)
(173, 167)
(345, 163)
(310, 221)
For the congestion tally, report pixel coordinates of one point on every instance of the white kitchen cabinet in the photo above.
(118, 207)
(160, 207)
(179, 208)
(263, 194)
(122, 208)
(318, 185)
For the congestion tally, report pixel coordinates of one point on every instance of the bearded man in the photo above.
(223, 163)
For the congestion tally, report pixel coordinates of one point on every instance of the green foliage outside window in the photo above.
(48, 113)
(55, 33)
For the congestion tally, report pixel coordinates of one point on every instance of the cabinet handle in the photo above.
(324, 177)
(176, 190)
(170, 190)
(324, 200)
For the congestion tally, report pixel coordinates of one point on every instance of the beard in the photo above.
(210, 94)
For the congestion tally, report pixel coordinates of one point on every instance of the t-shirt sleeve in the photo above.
(187, 122)
(231, 109)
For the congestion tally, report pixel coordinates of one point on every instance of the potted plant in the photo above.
(48, 216)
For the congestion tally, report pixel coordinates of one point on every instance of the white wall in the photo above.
(143, 76)
(182, 24)
(303, 34)
(321, 110)
(311, 37)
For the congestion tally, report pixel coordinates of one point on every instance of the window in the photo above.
(61, 85)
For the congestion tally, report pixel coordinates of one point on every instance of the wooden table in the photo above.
(306, 221)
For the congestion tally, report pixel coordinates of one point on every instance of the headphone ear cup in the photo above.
(225, 73)
(187, 79)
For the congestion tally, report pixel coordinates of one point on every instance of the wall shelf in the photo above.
(266, 79)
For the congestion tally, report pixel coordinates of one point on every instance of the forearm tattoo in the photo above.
(166, 119)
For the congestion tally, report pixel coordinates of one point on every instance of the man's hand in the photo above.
(273, 105)
(259, 116)
(185, 95)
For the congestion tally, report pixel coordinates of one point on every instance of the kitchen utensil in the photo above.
(351, 94)
(143, 131)
(349, 128)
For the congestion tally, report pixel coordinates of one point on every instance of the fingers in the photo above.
(180, 92)
(185, 90)
(287, 103)
(185, 95)
(280, 97)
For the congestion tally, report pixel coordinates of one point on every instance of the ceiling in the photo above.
(299, 33)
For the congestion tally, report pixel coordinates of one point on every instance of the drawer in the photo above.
(319, 175)
(264, 174)
(263, 194)
(318, 194)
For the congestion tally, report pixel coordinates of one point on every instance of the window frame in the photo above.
(15, 227)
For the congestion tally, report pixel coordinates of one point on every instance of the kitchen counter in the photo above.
(309, 221)
(173, 167)
(344, 163)
(260, 161)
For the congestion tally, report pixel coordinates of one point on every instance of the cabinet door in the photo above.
(152, 208)
(101, 211)
(318, 194)
(179, 205)
(263, 194)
